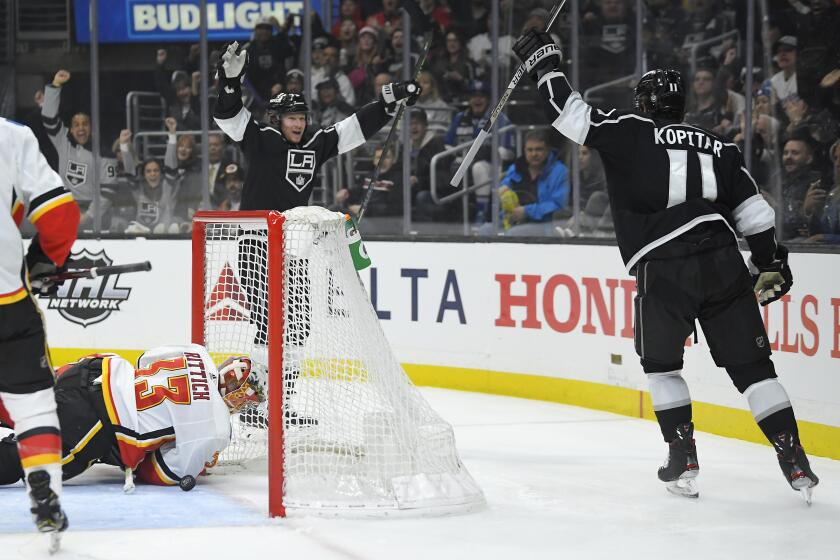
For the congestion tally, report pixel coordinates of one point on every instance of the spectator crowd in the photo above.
(795, 100)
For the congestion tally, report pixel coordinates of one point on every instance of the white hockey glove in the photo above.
(774, 280)
(233, 63)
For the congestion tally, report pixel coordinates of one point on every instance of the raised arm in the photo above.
(361, 126)
(568, 112)
(232, 117)
(49, 110)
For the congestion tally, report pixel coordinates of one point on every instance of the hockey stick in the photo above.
(485, 131)
(391, 133)
(97, 271)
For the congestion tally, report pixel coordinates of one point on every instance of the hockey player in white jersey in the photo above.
(166, 419)
(30, 189)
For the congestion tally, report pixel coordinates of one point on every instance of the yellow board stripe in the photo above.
(13, 297)
(36, 213)
(819, 439)
(40, 460)
(82, 443)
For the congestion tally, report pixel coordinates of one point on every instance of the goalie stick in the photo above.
(485, 131)
(392, 132)
(97, 271)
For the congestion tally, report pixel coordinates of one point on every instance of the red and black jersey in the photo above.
(30, 188)
(663, 178)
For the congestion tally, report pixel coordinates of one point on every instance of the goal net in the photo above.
(342, 426)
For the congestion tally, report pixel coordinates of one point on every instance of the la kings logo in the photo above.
(300, 168)
(76, 172)
(86, 301)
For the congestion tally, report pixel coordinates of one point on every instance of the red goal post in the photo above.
(273, 221)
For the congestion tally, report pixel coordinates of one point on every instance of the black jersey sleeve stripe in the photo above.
(39, 431)
(235, 126)
(49, 195)
(164, 467)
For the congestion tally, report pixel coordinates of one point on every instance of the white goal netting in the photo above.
(357, 432)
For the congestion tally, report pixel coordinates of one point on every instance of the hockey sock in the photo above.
(38, 433)
(770, 406)
(671, 401)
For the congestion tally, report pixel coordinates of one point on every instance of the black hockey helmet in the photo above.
(661, 93)
(285, 103)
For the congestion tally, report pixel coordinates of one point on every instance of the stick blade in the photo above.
(468, 158)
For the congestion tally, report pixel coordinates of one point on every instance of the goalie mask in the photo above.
(237, 384)
(661, 93)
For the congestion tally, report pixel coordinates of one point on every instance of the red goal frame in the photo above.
(274, 222)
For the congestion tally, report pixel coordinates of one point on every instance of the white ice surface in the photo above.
(560, 481)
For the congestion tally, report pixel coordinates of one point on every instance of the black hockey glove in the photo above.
(772, 280)
(397, 91)
(231, 67)
(538, 52)
(41, 266)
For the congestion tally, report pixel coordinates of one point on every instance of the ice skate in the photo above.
(794, 464)
(681, 466)
(46, 509)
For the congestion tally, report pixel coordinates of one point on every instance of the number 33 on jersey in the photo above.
(168, 416)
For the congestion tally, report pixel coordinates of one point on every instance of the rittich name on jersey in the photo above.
(199, 387)
(693, 138)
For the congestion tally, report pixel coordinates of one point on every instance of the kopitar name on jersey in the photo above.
(86, 301)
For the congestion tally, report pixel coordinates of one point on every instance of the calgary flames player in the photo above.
(166, 420)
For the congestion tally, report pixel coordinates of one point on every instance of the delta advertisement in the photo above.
(555, 311)
(131, 21)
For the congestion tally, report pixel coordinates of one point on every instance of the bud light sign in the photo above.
(178, 20)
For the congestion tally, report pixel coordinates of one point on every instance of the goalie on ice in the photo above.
(166, 420)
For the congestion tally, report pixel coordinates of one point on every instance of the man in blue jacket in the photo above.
(533, 188)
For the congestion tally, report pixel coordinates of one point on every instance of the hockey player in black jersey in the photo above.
(284, 156)
(678, 196)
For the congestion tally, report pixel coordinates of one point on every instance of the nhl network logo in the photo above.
(86, 301)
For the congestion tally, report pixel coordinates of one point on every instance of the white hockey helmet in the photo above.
(236, 384)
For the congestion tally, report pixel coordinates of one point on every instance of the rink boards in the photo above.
(551, 322)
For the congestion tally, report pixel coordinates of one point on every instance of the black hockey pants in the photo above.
(87, 436)
(715, 288)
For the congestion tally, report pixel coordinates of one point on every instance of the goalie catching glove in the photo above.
(397, 91)
(538, 52)
(231, 66)
(40, 267)
(772, 280)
